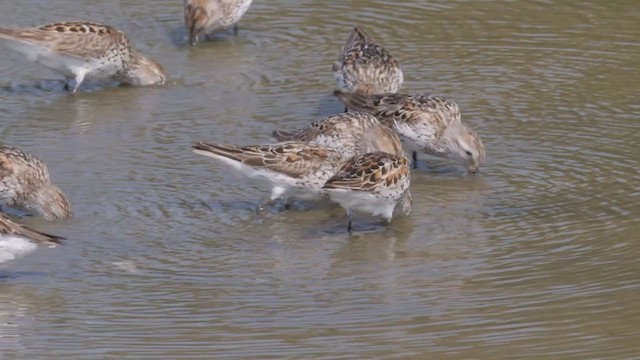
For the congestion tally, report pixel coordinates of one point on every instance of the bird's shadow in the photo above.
(54, 86)
(361, 226)
(35, 87)
(7, 276)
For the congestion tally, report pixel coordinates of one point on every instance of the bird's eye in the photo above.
(469, 153)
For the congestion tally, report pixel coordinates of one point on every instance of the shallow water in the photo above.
(168, 258)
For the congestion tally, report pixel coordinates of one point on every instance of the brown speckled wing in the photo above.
(6, 166)
(8, 227)
(79, 39)
(369, 172)
(325, 126)
(357, 35)
(294, 158)
(306, 134)
(14, 161)
(435, 110)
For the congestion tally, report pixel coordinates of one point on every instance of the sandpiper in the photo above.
(25, 184)
(375, 183)
(292, 170)
(350, 133)
(366, 67)
(84, 50)
(426, 123)
(17, 240)
(206, 17)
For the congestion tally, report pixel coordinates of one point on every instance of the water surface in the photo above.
(168, 258)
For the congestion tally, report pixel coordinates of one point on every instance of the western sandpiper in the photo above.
(350, 133)
(84, 50)
(366, 67)
(206, 17)
(25, 184)
(426, 123)
(375, 183)
(292, 170)
(18, 240)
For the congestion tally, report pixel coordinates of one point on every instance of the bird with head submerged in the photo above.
(207, 17)
(25, 184)
(427, 124)
(82, 50)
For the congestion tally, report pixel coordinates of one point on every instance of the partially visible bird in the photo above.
(25, 184)
(350, 133)
(206, 17)
(366, 67)
(17, 240)
(292, 170)
(374, 183)
(82, 50)
(426, 123)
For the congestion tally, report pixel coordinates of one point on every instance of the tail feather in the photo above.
(355, 101)
(23, 42)
(213, 150)
(8, 33)
(281, 135)
(9, 227)
(357, 35)
(47, 239)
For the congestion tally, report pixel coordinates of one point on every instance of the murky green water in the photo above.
(536, 258)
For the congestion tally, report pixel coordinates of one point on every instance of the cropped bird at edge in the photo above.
(374, 183)
(426, 123)
(82, 50)
(349, 133)
(366, 67)
(292, 170)
(207, 17)
(17, 240)
(25, 184)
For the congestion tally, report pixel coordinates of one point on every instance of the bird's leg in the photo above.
(345, 109)
(235, 30)
(79, 78)
(350, 217)
(388, 220)
(414, 158)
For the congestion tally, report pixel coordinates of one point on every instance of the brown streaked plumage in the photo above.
(293, 170)
(350, 133)
(206, 17)
(376, 183)
(84, 50)
(25, 184)
(366, 67)
(11, 228)
(426, 123)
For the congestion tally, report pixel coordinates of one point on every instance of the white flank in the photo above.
(363, 201)
(44, 56)
(281, 186)
(12, 247)
(244, 6)
(409, 136)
